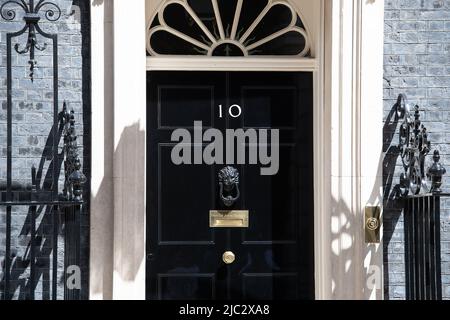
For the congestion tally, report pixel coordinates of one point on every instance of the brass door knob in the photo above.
(228, 257)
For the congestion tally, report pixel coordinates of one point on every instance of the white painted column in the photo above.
(345, 227)
(354, 62)
(372, 42)
(130, 149)
(322, 151)
(102, 146)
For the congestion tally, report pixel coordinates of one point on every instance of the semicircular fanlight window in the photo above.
(227, 28)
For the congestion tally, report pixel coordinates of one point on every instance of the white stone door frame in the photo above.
(354, 40)
(347, 137)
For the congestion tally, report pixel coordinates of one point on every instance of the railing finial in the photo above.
(74, 177)
(414, 146)
(435, 173)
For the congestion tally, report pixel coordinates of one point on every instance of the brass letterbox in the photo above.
(228, 219)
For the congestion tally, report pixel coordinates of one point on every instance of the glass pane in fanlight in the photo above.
(278, 18)
(250, 11)
(179, 19)
(205, 12)
(164, 42)
(227, 12)
(291, 43)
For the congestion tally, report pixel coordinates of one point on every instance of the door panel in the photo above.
(274, 256)
(181, 218)
(273, 201)
(197, 105)
(259, 286)
(186, 286)
(182, 251)
(277, 248)
(262, 106)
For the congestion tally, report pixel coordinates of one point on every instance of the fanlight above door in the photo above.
(227, 28)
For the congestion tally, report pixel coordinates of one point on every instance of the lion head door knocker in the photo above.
(229, 185)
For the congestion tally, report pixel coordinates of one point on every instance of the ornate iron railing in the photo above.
(59, 209)
(414, 147)
(420, 191)
(423, 246)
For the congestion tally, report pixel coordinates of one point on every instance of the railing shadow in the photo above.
(58, 205)
(29, 262)
(392, 206)
(43, 241)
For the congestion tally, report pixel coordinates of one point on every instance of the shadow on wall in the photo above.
(393, 207)
(102, 186)
(347, 247)
(129, 251)
(118, 245)
(343, 246)
(129, 160)
(119, 250)
(21, 286)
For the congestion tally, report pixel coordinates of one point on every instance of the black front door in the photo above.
(274, 254)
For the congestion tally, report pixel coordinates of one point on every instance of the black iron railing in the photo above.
(60, 213)
(421, 194)
(52, 213)
(423, 246)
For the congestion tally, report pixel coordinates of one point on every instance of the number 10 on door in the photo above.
(234, 111)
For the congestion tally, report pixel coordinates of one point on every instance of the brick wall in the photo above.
(32, 124)
(416, 63)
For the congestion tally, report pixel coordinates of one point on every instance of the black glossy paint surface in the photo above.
(274, 256)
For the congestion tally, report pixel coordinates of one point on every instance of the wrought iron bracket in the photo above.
(74, 177)
(414, 147)
(32, 15)
(34, 11)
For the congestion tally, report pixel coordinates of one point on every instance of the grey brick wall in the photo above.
(32, 124)
(416, 63)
